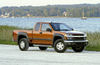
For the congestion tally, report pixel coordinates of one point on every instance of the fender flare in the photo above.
(23, 34)
(59, 35)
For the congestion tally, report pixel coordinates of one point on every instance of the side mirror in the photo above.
(72, 29)
(48, 29)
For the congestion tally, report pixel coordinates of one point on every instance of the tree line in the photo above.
(90, 10)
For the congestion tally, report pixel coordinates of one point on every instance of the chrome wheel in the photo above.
(60, 46)
(22, 44)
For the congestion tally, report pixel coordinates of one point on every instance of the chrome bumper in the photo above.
(73, 43)
(68, 41)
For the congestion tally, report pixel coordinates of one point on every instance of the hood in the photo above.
(73, 32)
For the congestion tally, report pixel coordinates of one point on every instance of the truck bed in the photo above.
(15, 33)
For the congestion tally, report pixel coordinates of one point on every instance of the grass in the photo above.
(6, 38)
(6, 34)
(8, 42)
(94, 41)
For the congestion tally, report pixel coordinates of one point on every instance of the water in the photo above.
(89, 25)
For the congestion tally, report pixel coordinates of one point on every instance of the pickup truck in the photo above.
(45, 34)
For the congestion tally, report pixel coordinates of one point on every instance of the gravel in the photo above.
(11, 55)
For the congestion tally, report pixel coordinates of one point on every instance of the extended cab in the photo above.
(58, 35)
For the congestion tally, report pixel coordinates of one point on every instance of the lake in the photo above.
(89, 25)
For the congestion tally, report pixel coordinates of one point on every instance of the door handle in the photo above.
(40, 32)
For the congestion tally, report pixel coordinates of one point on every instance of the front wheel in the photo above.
(59, 46)
(78, 48)
(23, 44)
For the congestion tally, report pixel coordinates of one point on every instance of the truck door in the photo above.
(41, 35)
(46, 33)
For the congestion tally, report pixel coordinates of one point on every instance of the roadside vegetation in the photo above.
(6, 34)
(6, 38)
(94, 41)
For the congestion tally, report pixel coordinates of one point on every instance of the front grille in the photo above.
(77, 34)
(78, 38)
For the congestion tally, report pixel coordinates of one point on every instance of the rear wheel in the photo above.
(42, 48)
(59, 46)
(23, 44)
(78, 48)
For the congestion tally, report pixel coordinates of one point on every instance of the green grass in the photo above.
(6, 38)
(6, 34)
(94, 41)
(8, 42)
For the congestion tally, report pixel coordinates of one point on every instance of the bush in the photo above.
(94, 41)
(6, 34)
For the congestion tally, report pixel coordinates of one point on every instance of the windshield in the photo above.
(61, 27)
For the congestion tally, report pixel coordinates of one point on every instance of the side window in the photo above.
(37, 27)
(45, 27)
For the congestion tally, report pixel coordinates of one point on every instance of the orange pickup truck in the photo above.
(45, 34)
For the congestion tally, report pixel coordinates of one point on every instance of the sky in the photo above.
(44, 2)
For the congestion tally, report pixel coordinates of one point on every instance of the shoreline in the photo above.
(48, 17)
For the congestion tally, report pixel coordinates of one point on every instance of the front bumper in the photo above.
(79, 41)
(76, 42)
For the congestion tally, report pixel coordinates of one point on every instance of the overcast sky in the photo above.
(44, 2)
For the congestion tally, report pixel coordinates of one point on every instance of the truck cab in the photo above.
(57, 35)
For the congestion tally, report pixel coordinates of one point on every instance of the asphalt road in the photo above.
(11, 55)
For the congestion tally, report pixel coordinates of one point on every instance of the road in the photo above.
(11, 55)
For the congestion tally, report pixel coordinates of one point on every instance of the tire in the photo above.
(23, 44)
(43, 48)
(78, 48)
(60, 46)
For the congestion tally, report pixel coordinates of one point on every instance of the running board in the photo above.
(36, 45)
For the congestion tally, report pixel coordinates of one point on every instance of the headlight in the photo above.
(69, 35)
(65, 35)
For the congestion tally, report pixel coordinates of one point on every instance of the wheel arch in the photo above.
(22, 35)
(57, 36)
